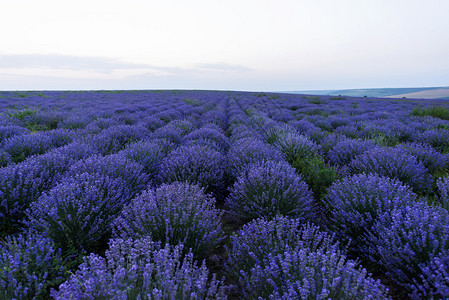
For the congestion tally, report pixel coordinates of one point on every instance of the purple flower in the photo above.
(208, 136)
(7, 132)
(269, 188)
(30, 264)
(305, 274)
(394, 163)
(434, 281)
(431, 158)
(195, 164)
(443, 191)
(136, 269)
(247, 151)
(175, 213)
(355, 204)
(149, 154)
(21, 147)
(260, 238)
(344, 151)
(115, 166)
(406, 238)
(78, 212)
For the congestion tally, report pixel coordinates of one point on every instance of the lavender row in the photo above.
(155, 165)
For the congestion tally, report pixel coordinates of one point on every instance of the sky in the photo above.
(247, 45)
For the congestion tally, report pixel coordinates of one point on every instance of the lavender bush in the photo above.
(294, 146)
(355, 204)
(29, 265)
(437, 138)
(259, 238)
(21, 147)
(344, 151)
(7, 132)
(77, 213)
(434, 280)
(174, 213)
(115, 166)
(115, 138)
(443, 190)
(304, 274)
(270, 188)
(394, 163)
(141, 269)
(195, 164)
(431, 158)
(22, 184)
(406, 238)
(149, 154)
(208, 136)
(247, 151)
(5, 158)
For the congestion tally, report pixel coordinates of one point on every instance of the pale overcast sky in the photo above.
(269, 45)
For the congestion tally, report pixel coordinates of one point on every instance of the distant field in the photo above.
(430, 94)
(425, 93)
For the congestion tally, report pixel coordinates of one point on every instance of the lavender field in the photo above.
(215, 195)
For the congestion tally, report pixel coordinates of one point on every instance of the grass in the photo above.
(434, 111)
(194, 102)
(317, 101)
(21, 113)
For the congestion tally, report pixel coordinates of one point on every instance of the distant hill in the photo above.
(425, 93)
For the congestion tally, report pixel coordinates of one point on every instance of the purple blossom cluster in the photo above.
(301, 274)
(148, 154)
(443, 190)
(115, 166)
(284, 259)
(294, 146)
(431, 158)
(394, 163)
(173, 213)
(407, 239)
(210, 137)
(248, 151)
(141, 269)
(270, 188)
(30, 265)
(78, 212)
(195, 164)
(356, 203)
(345, 150)
(261, 237)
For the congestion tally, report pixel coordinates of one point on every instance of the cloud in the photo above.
(221, 66)
(103, 64)
(45, 71)
(57, 61)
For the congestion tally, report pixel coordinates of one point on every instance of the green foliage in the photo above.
(384, 140)
(21, 113)
(193, 102)
(442, 126)
(434, 111)
(311, 97)
(317, 111)
(317, 101)
(22, 95)
(337, 98)
(318, 175)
